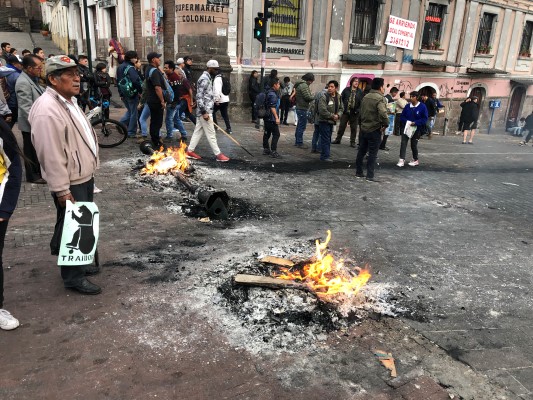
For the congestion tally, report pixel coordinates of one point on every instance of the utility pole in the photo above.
(87, 34)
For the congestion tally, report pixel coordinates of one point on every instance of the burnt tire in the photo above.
(110, 133)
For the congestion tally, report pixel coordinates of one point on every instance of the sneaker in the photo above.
(336, 141)
(384, 148)
(222, 158)
(96, 190)
(266, 152)
(522, 143)
(413, 163)
(169, 137)
(275, 154)
(372, 180)
(7, 321)
(401, 163)
(360, 176)
(229, 132)
(352, 145)
(327, 160)
(192, 154)
(314, 151)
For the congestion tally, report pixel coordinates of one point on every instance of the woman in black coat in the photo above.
(253, 91)
(469, 117)
(10, 181)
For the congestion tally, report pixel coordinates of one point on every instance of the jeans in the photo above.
(143, 120)
(205, 127)
(72, 275)
(271, 128)
(156, 121)
(414, 145)
(223, 107)
(353, 119)
(130, 118)
(31, 164)
(325, 130)
(368, 142)
(3, 230)
(254, 112)
(315, 142)
(169, 119)
(300, 127)
(183, 108)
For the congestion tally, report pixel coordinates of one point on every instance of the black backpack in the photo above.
(226, 86)
(260, 105)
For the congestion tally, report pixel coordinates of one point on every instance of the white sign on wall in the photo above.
(401, 33)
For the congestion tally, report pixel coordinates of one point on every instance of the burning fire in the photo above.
(163, 162)
(326, 276)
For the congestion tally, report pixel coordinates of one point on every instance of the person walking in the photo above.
(174, 81)
(187, 69)
(221, 102)
(468, 118)
(28, 91)
(303, 97)
(205, 103)
(68, 160)
(390, 110)
(415, 116)
(155, 83)
(185, 105)
(285, 105)
(272, 121)
(253, 91)
(351, 102)
(11, 73)
(128, 71)
(313, 112)
(432, 113)
(374, 121)
(10, 183)
(329, 110)
(401, 102)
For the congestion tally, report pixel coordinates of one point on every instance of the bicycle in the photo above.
(110, 132)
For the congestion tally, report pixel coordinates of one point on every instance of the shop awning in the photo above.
(485, 71)
(366, 58)
(435, 63)
(525, 82)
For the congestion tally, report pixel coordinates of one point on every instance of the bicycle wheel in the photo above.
(110, 133)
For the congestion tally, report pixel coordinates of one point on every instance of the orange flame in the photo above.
(163, 162)
(326, 276)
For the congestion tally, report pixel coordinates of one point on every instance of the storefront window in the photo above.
(433, 26)
(285, 20)
(525, 46)
(485, 32)
(365, 21)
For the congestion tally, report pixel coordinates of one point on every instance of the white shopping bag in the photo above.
(409, 130)
(80, 234)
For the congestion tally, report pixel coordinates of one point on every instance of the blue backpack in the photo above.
(168, 93)
(260, 105)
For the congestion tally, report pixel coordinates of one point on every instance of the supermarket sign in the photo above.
(401, 33)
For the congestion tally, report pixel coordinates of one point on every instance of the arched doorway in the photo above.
(479, 92)
(513, 114)
(427, 88)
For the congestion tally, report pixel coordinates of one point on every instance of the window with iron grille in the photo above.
(285, 20)
(365, 21)
(485, 33)
(433, 25)
(525, 46)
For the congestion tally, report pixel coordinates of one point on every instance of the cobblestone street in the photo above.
(452, 237)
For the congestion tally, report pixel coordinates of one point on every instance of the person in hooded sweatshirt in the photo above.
(303, 98)
(11, 72)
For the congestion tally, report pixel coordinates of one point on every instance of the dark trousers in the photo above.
(271, 129)
(325, 129)
(223, 107)
(156, 122)
(3, 230)
(529, 134)
(414, 145)
(285, 106)
(14, 116)
(368, 142)
(254, 112)
(72, 275)
(383, 143)
(353, 119)
(397, 125)
(31, 164)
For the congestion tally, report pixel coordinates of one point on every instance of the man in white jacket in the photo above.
(221, 102)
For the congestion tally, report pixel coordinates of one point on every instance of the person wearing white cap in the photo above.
(205, 102)
(180, 63)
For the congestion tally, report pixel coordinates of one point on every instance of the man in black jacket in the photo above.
(87, 81)
(529, 127)
(130, 102)
(432, 112)
(351, 100)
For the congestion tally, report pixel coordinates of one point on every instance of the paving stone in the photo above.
(486, 359)
(422, 388)
(507, 380)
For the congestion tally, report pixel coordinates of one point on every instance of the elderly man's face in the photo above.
(36, 69)
(68, 83)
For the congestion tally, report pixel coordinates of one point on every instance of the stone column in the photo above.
(202, 32)
(457, 23)
(319, 30)
(513, 46)
(471, 33)
(337, 31)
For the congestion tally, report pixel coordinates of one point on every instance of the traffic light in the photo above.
(268, 9)
(259, 31)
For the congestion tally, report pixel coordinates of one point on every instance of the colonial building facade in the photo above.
(452, 47)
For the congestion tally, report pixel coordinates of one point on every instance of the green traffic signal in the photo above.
(259, 29)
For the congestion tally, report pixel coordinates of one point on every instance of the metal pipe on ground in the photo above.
(215, 202)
